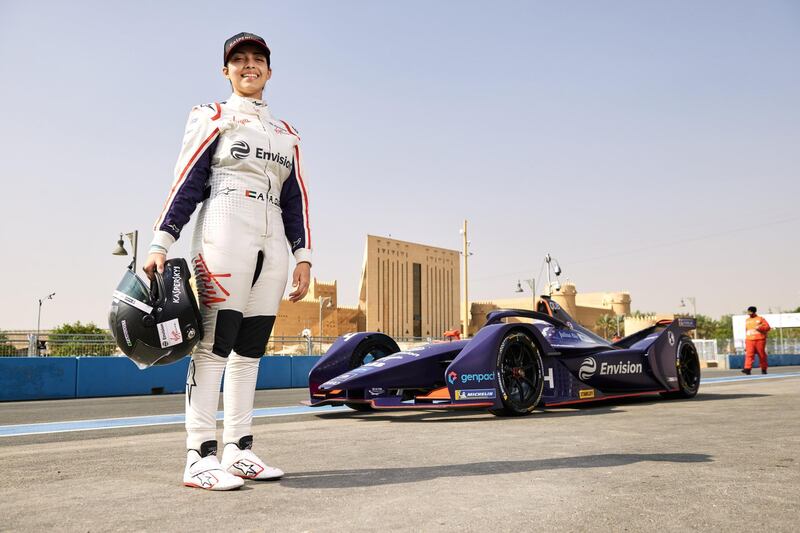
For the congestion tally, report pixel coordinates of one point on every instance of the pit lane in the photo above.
(726, 460)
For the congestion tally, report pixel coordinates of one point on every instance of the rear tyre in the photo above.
(520, 377)
(688, 365)
(370, 349)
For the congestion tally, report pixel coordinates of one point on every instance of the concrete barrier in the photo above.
(737, 361)
(41, 378)
(37, 378)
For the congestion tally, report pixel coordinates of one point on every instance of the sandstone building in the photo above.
(409, 289)
(406, 290)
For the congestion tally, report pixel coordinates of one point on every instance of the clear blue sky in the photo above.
(651, 147)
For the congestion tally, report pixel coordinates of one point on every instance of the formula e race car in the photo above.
(509, 367)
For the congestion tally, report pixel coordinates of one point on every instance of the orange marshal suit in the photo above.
(756, 341)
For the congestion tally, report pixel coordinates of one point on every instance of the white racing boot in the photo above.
(204, 471)
(238, 459)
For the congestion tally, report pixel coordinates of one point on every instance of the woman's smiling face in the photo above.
(248, 71)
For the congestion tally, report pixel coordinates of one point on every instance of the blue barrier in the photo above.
(275, 372)
(301, 366)
(119, 376)
(37, 378)
(737, 361)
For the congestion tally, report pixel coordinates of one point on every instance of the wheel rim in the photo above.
(689, 367)
(519, 374)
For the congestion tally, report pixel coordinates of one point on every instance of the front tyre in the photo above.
(520, 376)
(688, 365)
(370, 349)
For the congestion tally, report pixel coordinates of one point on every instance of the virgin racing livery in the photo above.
(508, 368)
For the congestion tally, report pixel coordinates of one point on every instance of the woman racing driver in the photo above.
(244, 166)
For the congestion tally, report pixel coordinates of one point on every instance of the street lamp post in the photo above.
(553, 265)
(465, 253)
(39, 321)
(692, 300)
(532, 284)
(306, 333)
(133, 237)
(324, 301)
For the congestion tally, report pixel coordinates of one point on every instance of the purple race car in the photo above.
(509, 368)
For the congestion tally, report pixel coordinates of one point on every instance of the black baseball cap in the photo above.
(242, 38)
(751, 309)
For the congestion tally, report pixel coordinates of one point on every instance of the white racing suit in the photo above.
(245, 168)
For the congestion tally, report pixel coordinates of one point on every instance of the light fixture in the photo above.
(120, 249)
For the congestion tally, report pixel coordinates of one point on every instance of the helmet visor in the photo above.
(146, 356)
(133, 286)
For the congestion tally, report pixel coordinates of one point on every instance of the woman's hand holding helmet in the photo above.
(155, 261)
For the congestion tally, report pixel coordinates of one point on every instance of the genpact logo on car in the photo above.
(452, 377)
(477, 378)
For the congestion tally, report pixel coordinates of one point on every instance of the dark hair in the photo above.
(751, 309)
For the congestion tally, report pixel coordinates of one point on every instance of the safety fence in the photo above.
(21, 343)
(707, 350)
(24, 343)
(775, 345)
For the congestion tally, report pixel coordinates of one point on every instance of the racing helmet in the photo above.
(158, 325)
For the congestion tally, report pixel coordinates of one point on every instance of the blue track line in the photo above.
(142, 421)
(162, 420)
(729, 379)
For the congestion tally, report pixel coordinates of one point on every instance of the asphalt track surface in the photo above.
(727, 460)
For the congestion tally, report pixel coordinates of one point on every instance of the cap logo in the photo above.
(239, 38)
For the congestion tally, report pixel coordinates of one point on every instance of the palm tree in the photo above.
(607, 323)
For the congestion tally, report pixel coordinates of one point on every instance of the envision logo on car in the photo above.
(587, 369)
(620, 368)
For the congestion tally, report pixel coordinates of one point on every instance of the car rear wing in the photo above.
(681, 324)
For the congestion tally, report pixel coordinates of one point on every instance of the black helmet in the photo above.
(160, 325)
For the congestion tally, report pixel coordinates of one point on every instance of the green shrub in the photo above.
(80, 339)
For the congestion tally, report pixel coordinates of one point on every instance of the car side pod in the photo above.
(472, 376)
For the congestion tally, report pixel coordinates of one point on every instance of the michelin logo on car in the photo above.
(476, 394)
(588, 368)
